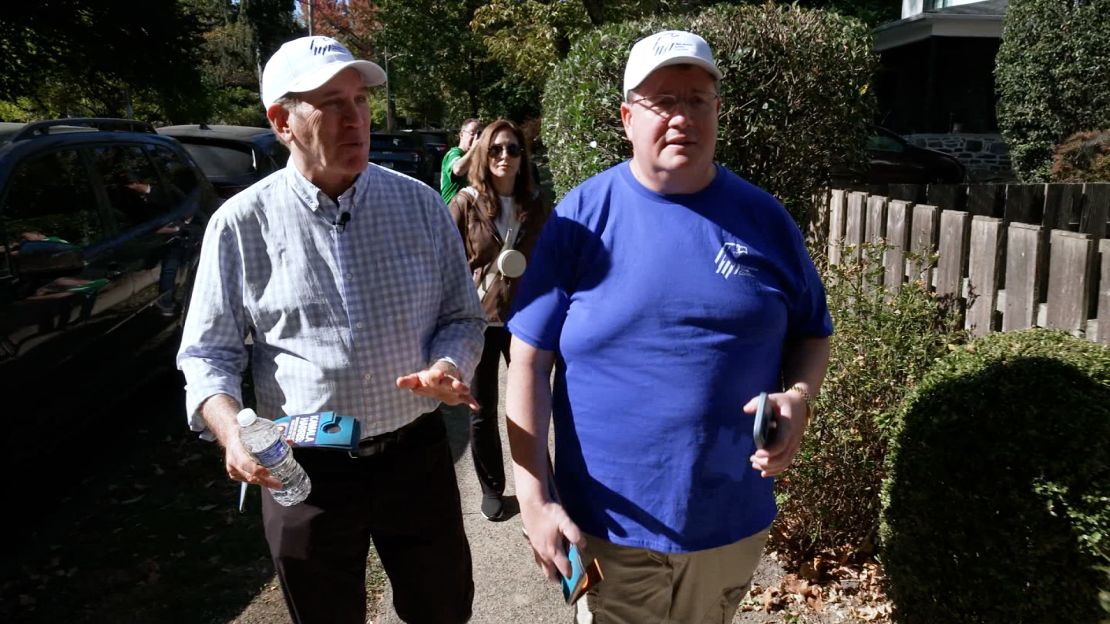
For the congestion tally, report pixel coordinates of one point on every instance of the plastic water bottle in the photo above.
(265, 441)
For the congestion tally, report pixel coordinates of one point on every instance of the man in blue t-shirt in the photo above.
(667, 293)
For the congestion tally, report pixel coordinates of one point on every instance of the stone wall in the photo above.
(985, 156)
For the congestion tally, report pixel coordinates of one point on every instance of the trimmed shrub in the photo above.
(1083, 157)
(997, 503)
(1051, 77)
(883, 344)
(794, 97)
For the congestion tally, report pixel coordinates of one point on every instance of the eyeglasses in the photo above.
(512, 149)
(666, 105)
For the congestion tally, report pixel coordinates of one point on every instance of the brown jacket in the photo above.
(483, 243)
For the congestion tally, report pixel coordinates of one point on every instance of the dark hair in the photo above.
(479, 172)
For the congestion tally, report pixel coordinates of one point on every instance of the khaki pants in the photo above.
(648, 587)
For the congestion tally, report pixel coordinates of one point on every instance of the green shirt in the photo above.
(449, 183)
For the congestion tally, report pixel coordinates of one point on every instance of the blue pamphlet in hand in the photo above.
(582, 578)
(321, 430)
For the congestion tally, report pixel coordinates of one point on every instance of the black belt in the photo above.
(383, 441)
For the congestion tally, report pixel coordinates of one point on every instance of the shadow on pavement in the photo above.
(118, 513)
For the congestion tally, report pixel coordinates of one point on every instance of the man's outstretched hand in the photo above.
(441, 381)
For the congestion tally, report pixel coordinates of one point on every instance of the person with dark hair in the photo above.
(456, 162)
(499, 217)
(668, 294)
(352, 284)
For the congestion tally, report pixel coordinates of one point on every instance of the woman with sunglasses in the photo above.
(499, 216)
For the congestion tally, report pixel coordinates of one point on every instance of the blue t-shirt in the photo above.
(667, 313)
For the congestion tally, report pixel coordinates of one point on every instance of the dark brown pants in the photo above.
(404, 498)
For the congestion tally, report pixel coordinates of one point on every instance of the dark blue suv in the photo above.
(101, 222)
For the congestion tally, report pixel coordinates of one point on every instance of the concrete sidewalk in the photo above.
(508, 586)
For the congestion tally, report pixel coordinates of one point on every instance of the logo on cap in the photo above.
(320, 50)
(662, 47)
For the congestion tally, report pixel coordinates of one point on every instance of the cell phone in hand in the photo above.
(766, 425)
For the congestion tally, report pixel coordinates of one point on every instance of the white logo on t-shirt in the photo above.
(728, 260)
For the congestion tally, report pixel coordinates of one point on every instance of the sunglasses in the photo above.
(512, 149)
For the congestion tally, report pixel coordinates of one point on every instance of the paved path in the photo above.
(508, 587)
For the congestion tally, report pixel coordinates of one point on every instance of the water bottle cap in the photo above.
(246, 417)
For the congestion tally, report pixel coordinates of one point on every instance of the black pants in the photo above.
(404, 498)
(485, 436)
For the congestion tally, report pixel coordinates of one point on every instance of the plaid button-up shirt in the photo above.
(336, 313)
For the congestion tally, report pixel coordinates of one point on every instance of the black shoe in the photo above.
(493, 508)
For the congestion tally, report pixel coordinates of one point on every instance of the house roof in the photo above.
(977, 19)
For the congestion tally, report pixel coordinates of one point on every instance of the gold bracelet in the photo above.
(800, 389)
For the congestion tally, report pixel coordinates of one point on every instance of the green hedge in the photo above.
(997, 503)
(1083, 157)
(1052, 78)
(883, 345)
(794, 97)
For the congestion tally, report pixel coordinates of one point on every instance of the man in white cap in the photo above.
(352, 283)
(667, 293)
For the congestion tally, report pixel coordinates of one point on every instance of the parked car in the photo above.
(436, 144)
(101, 220)
(892, 159)
(233, 157)
(403, 152)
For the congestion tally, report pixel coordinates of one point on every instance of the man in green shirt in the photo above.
(452, 177)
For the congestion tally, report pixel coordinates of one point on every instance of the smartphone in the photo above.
(766, 426)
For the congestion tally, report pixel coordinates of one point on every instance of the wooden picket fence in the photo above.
(1039, 258)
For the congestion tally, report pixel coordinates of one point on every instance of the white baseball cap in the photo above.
(307, 63)
(670, 47)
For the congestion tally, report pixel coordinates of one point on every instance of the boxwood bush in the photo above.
(884, 343)
(996, 506)
(1051, 77)
(794, 97)
(1083, 157)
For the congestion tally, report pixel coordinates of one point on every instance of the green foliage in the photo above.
(882, 346)
(528, 37)
(871, 12)
(1052, 79)
(1083, 157)
(83, 57)
(794, 97)
(997, 503)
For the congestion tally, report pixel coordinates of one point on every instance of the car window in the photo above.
(279, 153)
(883, 143)
(135, 191)
(175, 169)
(49, 201)
(222, 161)
(434, 138)
(388, 142)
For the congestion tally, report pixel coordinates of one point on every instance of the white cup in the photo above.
(511, 263)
